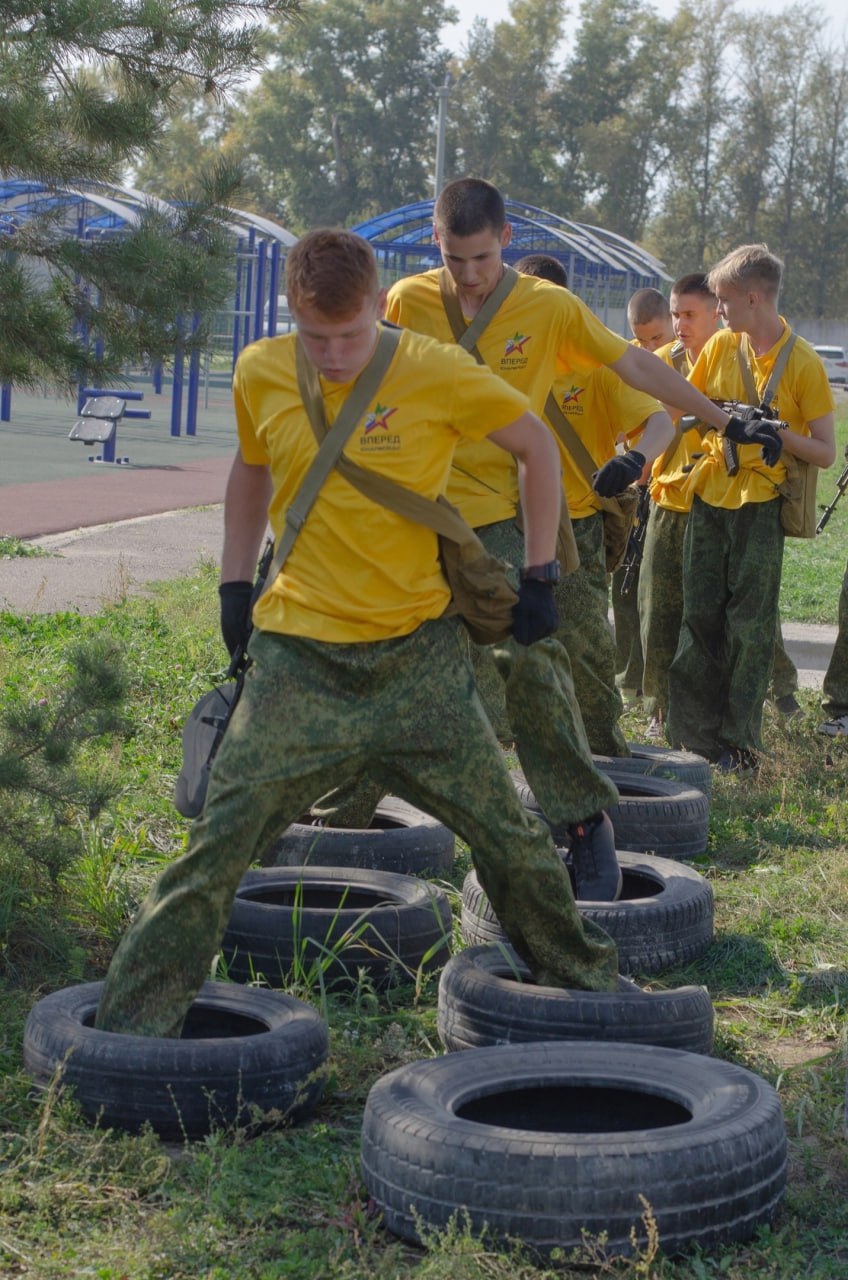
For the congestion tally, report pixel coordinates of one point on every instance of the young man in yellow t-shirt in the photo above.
(649, 317)
(733, 547)
(354, 669)
(598, 407)
(694, 315)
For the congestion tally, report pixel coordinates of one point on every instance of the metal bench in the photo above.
(98, 424)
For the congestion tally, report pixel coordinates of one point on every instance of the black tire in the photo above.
(653, 815)
(243, 1054)
(289, 921)
(543, 1141)
(487, 996)
(663, 919)
(400, 839)
(653, 761)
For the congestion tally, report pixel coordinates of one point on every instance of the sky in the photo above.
(498, 10)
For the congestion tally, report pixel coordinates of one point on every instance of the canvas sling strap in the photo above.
(679, 361)
(466, 549)
(333, 441)
(743, 352)
(467, 336)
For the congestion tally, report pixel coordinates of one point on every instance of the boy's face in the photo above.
(653, 333)
(340, 349)
(474, 261)
(694, 317)
(735, 306)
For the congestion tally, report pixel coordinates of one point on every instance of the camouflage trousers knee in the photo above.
(313, 715)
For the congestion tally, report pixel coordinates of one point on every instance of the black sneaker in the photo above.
(789, 706)
(738, 761)
(597, 875)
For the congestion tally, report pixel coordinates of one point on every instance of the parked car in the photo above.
(834, 361)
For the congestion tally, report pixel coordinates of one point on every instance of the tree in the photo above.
(616, 104)
(343, 125)
(84, 88)
(502, 123)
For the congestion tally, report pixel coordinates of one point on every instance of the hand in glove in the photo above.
(622, 470)
(761, 431)
(235, 613)
(535, 615)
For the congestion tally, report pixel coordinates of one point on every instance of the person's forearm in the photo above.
(245, 519)
(540, 487)
(818, 448)
(656, 437)
(646, 372)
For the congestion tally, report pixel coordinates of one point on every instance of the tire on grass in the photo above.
(653, 815)
(545, 1141)
(663, 919)
(487, 996)
(243, 1054)
(333, 924)
(400, 839)
(654, 761)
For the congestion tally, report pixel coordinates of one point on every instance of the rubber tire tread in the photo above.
(653, 815)
(407, 925)
(415, 844)
(654, 761)
(712, 1179)
(663, 920)
(263, 1054)
(487, 996)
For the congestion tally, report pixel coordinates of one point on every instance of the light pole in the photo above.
(443, 93)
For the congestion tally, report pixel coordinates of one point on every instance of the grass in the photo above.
(76, 1201)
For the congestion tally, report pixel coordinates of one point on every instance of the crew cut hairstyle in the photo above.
(333, 271)
(693, 282)
(545, 266)
(469, 206)
(748, 267)
(646, 305)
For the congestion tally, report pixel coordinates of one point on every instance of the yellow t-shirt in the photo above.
(598, 406)
(537, 324)
(803, 395)
(357, 572)
(669, 484)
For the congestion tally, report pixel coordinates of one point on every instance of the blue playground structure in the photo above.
(604, 269)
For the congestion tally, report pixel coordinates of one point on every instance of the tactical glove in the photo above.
(535, 615)
(761, 431)
(622, 470)
(235, 613)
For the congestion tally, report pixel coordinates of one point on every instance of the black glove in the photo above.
(535, 615)
(761, 431)
(615, 475)
(235, 613)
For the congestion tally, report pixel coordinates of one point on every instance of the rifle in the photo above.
(636, 542)
(841, 486)
(748, 413)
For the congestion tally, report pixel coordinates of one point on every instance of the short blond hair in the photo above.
(751, 265)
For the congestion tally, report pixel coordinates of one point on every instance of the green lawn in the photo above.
(78, 1202)
(813, 569)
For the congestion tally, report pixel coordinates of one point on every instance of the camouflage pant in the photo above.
(835, 685)
(530, 689)
(584, 629)
(719, 678)
(660, 600)
(629, 663)
(784, 674)
(317, 714)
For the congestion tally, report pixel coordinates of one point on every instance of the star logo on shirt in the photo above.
(515, 344)
(379, 418)
(573, 395)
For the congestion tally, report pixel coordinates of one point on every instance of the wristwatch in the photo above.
(541, 572)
